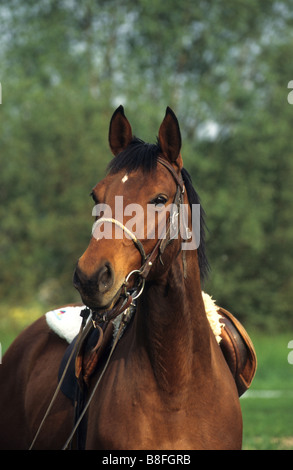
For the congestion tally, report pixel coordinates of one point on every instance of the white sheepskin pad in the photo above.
(213, 315)
(66, 321)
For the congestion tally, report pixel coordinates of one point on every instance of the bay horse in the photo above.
(167, 384)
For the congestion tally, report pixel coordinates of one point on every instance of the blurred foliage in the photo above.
(223, 67)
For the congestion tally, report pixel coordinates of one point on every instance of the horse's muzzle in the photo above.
(94, 289)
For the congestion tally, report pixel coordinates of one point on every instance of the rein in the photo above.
(126, 299)
(121, 326)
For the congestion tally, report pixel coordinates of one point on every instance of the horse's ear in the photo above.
(170, 136)
(120, 132)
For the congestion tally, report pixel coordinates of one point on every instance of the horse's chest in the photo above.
(123, 416)
(130, 412)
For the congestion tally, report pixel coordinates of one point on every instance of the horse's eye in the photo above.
(160, 200)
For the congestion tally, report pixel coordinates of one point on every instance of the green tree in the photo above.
(222, 66)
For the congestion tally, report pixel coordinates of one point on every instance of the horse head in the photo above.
(136, 183)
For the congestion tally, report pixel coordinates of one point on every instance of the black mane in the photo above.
(140, 154)
(193, 198)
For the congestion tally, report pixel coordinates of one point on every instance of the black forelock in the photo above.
(137, 155)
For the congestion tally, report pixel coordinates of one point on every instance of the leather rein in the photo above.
(125, 300)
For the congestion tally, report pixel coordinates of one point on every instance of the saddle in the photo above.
(238, 351)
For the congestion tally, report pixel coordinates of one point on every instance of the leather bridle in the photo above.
(147, 260)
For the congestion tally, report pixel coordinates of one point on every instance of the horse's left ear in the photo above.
(170, 136)
(120, 132)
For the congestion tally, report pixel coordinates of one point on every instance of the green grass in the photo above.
(267, 421)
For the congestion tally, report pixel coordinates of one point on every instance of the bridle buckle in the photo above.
(141, 284)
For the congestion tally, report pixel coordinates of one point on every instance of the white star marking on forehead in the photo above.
(125, 178)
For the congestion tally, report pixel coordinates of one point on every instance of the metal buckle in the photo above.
(142, 283)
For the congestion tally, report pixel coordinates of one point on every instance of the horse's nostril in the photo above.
(105, 278)
(99, 282)
(76, 280)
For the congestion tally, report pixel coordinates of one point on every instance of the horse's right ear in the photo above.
(120, 132)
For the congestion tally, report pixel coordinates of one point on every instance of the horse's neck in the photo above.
(175, 328)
